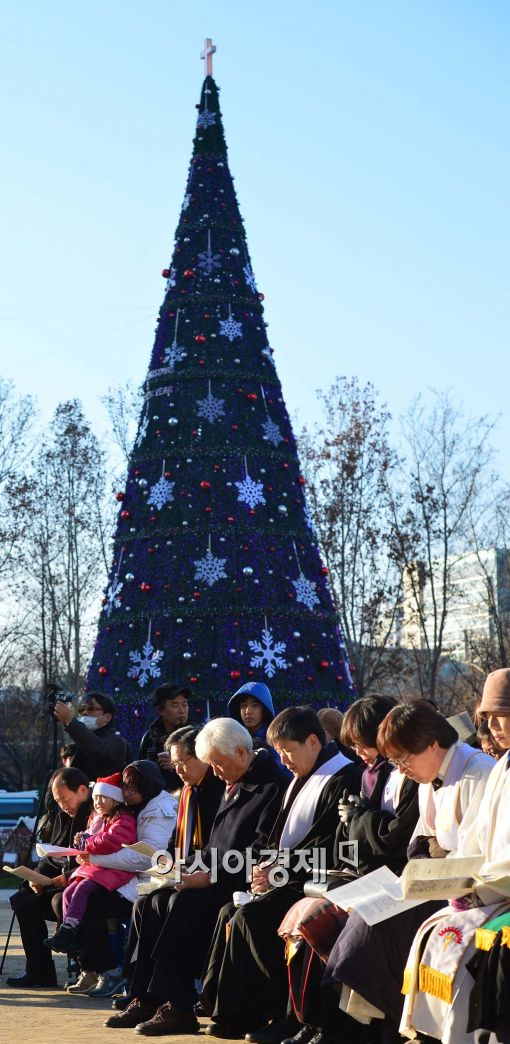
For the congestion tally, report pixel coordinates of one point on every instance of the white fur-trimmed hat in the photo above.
(109, 786)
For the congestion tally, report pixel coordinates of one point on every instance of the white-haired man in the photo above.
(174, 926)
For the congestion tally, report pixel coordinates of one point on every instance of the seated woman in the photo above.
(452, 779)
(156, 813)
(439, 978)
(380, 825)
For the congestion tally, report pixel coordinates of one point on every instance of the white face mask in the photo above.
(88, 720)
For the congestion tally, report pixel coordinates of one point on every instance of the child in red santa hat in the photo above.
(110, 827)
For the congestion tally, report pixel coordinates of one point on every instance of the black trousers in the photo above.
(94, 944)
(172, 931)
(32, 912)
(246, 976)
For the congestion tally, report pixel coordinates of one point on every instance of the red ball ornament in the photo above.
(153, 518)
(168, 474)
(194, 680)
(324, 571)
(230, 518)
(324, 664)
(197, 594)
(120, 496)
(125, 514)
(200, 338)
(145, 587)
(121, 641)
(205, 484)
(261, 297)
(165, 273)
(252, 396)
(235, 675)
(188, 273)
(235, 427)
(150, 550)
(301, 481)
(208, 510)
(158, 634)
(103, 670)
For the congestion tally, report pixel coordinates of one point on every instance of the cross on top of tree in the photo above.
(207, 53)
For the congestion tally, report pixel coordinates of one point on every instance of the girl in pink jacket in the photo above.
(107, 831)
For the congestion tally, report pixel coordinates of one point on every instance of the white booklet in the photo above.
(26, 874)
(142, 848)
(375, 897)
(55, 850)
(440, 878)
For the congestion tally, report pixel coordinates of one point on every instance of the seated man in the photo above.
(246, 976)
(32, 904)
(175, 932)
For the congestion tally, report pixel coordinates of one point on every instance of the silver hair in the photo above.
(224, 735)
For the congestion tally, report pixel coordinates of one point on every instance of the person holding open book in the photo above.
(452, 778)
(379, 824)
(469, 943)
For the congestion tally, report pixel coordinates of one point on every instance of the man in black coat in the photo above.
(245, 980)
(175, 936)
(171, 703)
(32, 903)
(99, 749)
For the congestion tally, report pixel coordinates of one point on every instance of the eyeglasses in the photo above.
(400, 762)
(181, 762)
(89, 708)
(131, 787)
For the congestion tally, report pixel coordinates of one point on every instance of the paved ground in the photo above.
(52, 1016)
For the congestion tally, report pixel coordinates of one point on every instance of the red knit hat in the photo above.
(109, 786)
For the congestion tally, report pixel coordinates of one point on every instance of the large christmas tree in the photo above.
(216, 576)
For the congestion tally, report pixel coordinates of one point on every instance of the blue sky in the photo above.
(369, 143)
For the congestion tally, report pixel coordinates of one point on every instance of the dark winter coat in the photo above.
(99, 752)
(152, 744)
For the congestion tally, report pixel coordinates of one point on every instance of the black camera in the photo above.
(55, 694)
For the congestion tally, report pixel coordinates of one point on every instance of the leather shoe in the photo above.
(225, 1032)
(136, 1011)
(303, 1036)
(274, 1032)
(169, 1020)
(32, 982)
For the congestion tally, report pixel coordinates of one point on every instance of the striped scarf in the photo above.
(188, 832)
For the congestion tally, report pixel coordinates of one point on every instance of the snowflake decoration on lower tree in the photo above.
(161, 493)
(250, 492)
(210, 569)
(145, 664)
(272, 432)
(142, 431)
(112, 596)
(186, 201)
(249, 277)
(306, 591)
(174, 354)
(231, 328)
(206, 119)
(308, 517)
(268, 654)
(210, 408)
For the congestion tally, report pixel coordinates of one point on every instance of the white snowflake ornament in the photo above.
(112, 596)
(210, 569)
(186, 201)
(206, 119)
(231, 328)
(210, 408)
(161, 493)
(250, 492)
(268, 653)
(174, 354)
(272, 432)
(145, 664)
(249, 277)
(306, 591)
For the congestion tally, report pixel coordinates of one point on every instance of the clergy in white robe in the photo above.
(437, 982)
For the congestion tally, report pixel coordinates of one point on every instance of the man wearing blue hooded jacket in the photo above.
(252, 706)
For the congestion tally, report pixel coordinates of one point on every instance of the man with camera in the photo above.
(100, 749)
